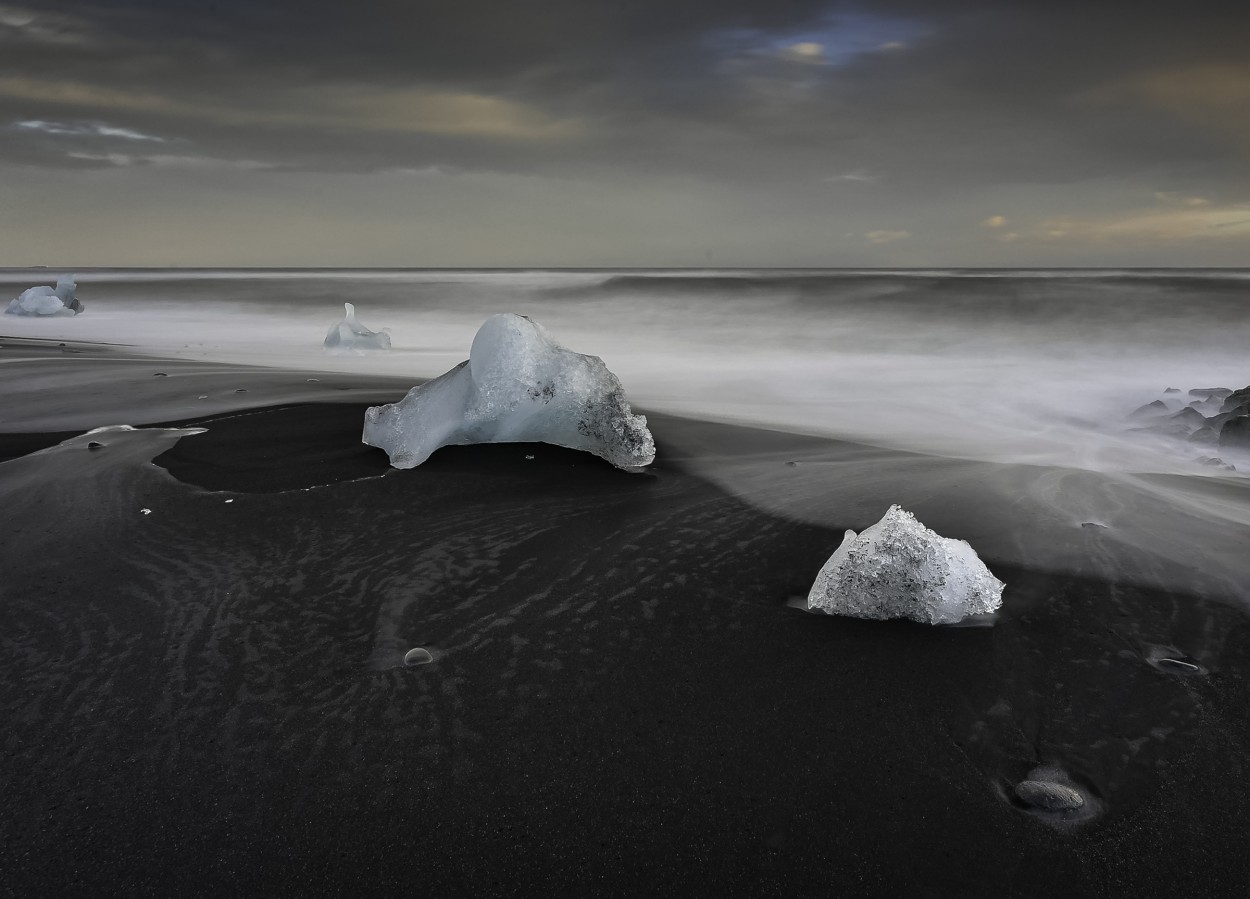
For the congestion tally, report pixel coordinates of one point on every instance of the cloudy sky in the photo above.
(624, 133)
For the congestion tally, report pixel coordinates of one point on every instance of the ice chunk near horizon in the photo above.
(517, 386)
(350, 334)
(898, 568)
(43, 300)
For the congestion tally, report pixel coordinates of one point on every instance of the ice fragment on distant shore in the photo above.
(350, 334)
(518, 385)
(898, 568)
(59, 300)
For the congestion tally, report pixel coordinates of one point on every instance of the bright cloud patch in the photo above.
(879, 237)
(125, 160)
(400, 110)
(83, 129)
(1173, 220)
(806, 51)
(848, 36)
(859, 176)
(22, 25)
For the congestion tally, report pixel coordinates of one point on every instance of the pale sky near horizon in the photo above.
(644, 133)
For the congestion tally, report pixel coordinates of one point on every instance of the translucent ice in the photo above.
(349, 334)
(898, 568)
(59, 300)
(518, 385)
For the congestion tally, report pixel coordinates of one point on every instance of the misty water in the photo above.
(1019, 366)
(1005, 369)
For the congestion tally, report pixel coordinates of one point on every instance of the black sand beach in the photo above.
(203, 686)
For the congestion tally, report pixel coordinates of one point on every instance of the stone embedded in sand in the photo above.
(350, 334)
(1180, 666)
(59, 300)
(898, 568)
(1172, 660)
(1050, 797)
(518, 386)
(417, 656)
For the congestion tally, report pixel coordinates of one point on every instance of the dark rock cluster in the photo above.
(1215, 418)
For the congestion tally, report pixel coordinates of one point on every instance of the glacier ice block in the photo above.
(43, 300)
(350, 334)
(518, 385)
(898, 568)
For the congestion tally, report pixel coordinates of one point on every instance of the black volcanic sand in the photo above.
(209, 697)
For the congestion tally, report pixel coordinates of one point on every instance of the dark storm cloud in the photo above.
(970, 90)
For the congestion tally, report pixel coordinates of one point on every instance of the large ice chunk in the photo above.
(59, 300)
(898, 568)
(519, 385)
(349, 334)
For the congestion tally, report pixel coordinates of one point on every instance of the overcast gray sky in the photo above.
(626, 133)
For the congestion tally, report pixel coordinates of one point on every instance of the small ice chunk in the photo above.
(898, 568)
(350, 334)
(518, 386)
(59, 300)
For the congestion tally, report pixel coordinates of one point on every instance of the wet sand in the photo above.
(210, 697)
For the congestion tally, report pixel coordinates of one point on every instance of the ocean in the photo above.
(1027, 366)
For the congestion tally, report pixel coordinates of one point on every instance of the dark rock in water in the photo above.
(1093, 524)
(94, 445)
(1208, 392)
(1218, 421)
(1190, 416)
(1236, 400)
(160, 374)
(1158, 407)
(1051, 797)
(1172, 390)
(1205, 435)
(1236, 433)
(1215, 462)
(1177, 429)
